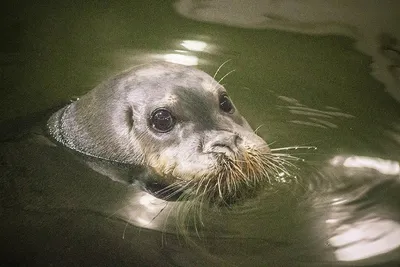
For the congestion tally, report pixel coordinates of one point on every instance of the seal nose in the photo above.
(222, 142)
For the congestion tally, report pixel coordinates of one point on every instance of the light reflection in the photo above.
(332, 221)
(194, 45)
(142, 221)
(186, 55)
(187, 60)
(146, 210)
(338, 201)
(150, 202)
(387, 167)
(365, 239)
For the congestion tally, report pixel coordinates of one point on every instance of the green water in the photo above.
(300, 89)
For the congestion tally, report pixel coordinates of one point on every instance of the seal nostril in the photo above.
(222, 148)
(224, 144)
(237, 140)
(220, 145)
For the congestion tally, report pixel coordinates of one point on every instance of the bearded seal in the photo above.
(178, 124)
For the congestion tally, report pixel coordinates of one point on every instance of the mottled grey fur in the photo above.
(112, 120)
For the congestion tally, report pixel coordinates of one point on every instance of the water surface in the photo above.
(299, 89)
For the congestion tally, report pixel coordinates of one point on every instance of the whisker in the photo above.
(258, 128)
(293, 148)
(219, 68)
(233, 180)
(220, 80)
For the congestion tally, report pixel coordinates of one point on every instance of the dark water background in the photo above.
(309, 90)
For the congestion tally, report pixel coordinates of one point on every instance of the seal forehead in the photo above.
(197, 105)
(152, 70)
(171, 99)
(163, 69)
(179, 74)
(211, 85)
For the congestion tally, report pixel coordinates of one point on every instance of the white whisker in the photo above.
(258, 128)
(293, 148)
(220, 80)
(219, 68)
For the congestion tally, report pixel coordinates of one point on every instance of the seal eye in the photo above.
(225, 104)
(162, 120)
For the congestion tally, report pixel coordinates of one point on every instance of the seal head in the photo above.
(174, 120)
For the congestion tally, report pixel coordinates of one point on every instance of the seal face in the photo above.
(178, 123)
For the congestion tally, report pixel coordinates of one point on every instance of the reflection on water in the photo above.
(374, 233)
(386, 167)
(364, 21)
(194, 45)
(304, 90)
(185, 57)
(317, 118)
(181, 59)
(145, 211)
(365, 239)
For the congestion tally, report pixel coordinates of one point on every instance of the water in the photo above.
(335, 89)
